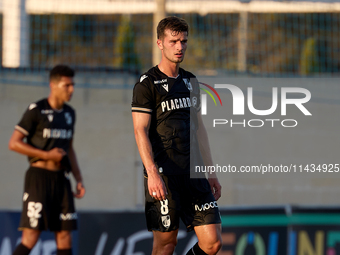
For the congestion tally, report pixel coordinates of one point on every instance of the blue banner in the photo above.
(277, 230)
(10, 237)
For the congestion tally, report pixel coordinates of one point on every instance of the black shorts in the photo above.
(48, 201)
(188, 199)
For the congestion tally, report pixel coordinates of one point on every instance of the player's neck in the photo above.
(170, 69)
(55, 102)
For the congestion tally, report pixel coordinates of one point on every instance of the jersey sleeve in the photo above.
(142, 98)
(28, 121)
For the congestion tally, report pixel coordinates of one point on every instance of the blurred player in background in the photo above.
(166, 115)
(48, 203)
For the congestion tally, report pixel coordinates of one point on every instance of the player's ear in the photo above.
(160, 44)
(53, 84)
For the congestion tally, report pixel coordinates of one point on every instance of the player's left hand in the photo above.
(215, 187)
(80, 190)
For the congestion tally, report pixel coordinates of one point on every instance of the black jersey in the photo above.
(173, 104)
(46, 128)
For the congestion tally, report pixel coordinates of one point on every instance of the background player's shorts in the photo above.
(48, 201)
(188, 199)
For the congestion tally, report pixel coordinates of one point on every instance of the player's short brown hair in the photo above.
(174, 24)
(61, 70)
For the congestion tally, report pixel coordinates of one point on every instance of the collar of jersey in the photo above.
(56, 110)
(166, 75)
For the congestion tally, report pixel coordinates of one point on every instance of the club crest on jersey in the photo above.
(187, 83)
(68, 118)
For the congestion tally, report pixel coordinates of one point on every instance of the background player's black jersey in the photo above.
(173, 104)
(46, 128)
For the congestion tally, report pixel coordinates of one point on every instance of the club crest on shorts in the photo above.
(33, 222)
(166, 221)
(187, 83)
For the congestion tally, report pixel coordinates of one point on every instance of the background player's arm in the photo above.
(17, 144)
(80, 189)
(141, 124)
(204, 146)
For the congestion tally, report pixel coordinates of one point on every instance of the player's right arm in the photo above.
(25, 127)
(17, 144)
(141, 124)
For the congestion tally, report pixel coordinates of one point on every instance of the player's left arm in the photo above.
(204, 146)
(80, 189)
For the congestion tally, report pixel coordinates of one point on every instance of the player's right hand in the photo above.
(157, 187)
(80, 190)
(56, 154)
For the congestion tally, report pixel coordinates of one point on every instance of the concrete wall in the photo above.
(110, 163)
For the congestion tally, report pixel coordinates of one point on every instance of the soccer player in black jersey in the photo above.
(48, 127)
(166, 116)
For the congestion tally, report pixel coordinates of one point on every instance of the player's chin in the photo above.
(179, 60)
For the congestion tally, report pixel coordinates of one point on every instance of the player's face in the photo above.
(173, 45)
(63, 89)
